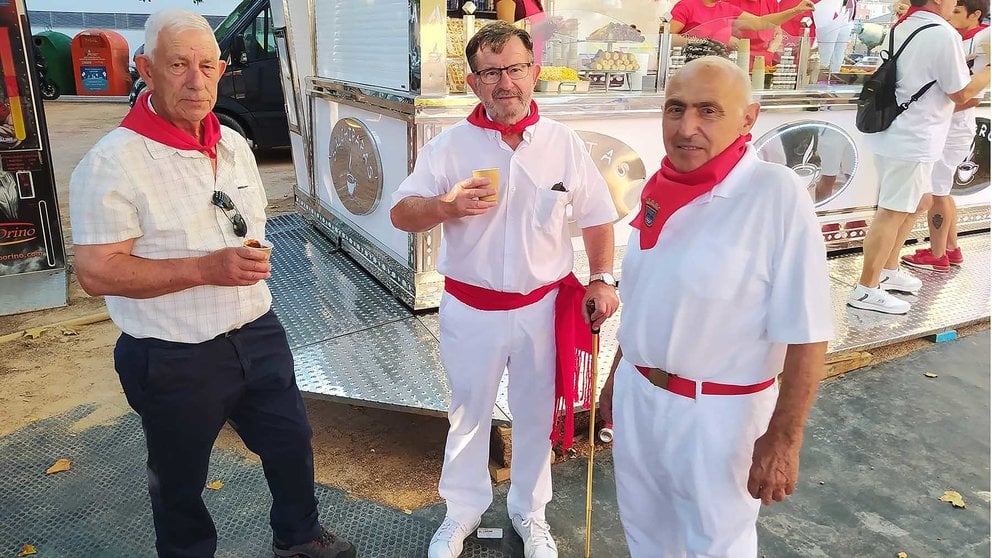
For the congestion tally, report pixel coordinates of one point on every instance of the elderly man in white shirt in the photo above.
(905, 153)
(507, 265)
(725, 289)
(160, 209)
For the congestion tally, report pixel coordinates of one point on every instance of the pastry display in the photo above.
(614, 32)
(609, 61)
(456, 75)
(558, 73)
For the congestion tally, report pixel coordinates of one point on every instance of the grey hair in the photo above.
(176, 20)
(737, 73)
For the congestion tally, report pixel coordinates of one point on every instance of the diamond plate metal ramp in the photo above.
(101, 508)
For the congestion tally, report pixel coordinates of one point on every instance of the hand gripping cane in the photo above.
(591, 308)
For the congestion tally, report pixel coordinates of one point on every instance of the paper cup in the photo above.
(493, 176)
(264, 245)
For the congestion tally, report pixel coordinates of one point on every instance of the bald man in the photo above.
(725, 290)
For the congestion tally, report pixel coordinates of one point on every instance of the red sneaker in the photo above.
(955, 257)
(924, 259)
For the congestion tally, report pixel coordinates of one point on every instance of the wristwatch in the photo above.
(607, 278)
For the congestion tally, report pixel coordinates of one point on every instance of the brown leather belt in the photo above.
(687, 388)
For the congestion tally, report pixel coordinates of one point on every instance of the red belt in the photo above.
(687, 388)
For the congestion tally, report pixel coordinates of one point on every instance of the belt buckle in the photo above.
(658, 377)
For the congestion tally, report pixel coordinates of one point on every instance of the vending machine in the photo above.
(33, 272)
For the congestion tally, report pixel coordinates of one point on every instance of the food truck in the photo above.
(367, 84)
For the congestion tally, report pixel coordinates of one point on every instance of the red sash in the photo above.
(573, 341)
(143, 120)
(479, 118)
(965, 35)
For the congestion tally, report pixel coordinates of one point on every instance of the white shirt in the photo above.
(919, 133)
(523, 243)
(129, 186)
(962, 131)
(737, 275)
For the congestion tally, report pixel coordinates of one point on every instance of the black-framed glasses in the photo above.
(223, 201)
(490, 76)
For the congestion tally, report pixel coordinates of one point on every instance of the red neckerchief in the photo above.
(480, 119)
(965, 35)
(912, 10)
(573, 341)
(146, 122)
(669, 190)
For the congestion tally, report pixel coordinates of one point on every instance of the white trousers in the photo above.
(832, 41)
(681, 468)
(476, 347)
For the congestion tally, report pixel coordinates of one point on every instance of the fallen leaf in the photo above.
(930, 375)
(32, 420)
(902, 555)
(60, 466)
(954, 498)
(215, 485)
(27, 550)
(34, 332)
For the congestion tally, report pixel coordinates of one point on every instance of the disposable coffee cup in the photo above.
(493, 176)
(263, 245)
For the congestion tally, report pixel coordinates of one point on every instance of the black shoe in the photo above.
(327, 545)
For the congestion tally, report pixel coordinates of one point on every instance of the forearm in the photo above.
(800, 378)
(133, 277)
(417, 214)
(598, 242)
(978, 83)
(749, 22)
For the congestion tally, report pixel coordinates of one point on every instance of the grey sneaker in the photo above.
(449, 539)
(327, 545)
(895, 280)
(876, 299)
(537, 537)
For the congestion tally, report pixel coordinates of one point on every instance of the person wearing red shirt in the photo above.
(766, 41)
(793, 27)
(721, 21)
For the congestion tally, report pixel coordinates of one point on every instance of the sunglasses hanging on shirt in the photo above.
(223, 201)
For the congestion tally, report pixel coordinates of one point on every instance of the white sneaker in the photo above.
(876, 299)
(895, 280)
(449, 539)
(537, 537)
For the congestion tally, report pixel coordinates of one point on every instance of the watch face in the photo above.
(356, 169)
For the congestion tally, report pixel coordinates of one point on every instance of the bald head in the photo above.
(707, 107)
(717, 68)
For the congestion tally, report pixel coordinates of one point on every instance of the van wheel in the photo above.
(233, 124)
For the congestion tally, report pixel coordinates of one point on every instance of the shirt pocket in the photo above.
(716, 271)
(549, 210)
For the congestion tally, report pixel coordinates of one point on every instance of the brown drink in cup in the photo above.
(262, 245)
(493, 176)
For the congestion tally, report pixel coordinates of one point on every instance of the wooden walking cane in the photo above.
(590, 308)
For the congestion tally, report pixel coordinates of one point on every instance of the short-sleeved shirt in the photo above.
(524, 242)
(759, 39)
(919, 133)
(963, 126)
(736, 276)
(709, 22)
(793, 28)
(130, 187)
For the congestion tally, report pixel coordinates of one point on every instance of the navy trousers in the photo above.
(185, 393)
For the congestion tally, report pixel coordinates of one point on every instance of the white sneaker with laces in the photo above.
(537, 537)
(876, 299)
(449, 539)
(895, 280)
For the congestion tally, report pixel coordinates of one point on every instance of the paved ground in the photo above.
(882, 446)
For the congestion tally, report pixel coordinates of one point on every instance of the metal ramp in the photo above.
(355, 343)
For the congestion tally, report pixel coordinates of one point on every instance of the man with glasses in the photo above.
(508, 289)
(160, 209)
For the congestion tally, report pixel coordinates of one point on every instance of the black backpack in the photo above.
(877, 105)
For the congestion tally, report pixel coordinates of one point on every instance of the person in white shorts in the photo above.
(507, 266)
(905, 152)
(942, 217)
(725, 286)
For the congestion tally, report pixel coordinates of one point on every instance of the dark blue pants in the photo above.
(185, 393)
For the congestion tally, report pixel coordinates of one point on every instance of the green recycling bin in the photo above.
(56, 50)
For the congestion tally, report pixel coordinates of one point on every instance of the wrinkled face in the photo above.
(959, 18)
(507, 101)
(705, 111)
(183, 76)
